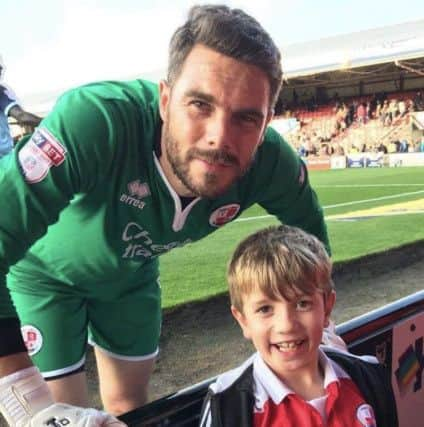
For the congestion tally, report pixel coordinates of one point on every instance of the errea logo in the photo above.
(136, 191)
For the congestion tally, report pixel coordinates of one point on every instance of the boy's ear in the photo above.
(329, 301)
(241, 320)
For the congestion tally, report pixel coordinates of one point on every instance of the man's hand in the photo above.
(24, 118)
(25, 401)
(61, 415)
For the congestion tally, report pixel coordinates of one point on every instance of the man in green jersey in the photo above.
(117, 174)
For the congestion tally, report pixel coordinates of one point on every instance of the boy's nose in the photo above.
(285, 321)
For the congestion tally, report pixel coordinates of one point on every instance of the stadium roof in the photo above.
(324, 61)
(377, 46)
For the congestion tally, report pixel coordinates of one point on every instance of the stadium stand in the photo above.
(342, 126)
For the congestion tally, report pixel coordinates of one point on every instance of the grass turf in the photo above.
(197, 271)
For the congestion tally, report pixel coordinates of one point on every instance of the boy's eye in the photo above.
(264, 309)
(304, 304)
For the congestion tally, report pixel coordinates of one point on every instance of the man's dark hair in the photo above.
(230, 32)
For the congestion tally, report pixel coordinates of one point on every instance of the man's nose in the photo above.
(218, 134)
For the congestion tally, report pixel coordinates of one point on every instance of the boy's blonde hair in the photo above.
(281, 261)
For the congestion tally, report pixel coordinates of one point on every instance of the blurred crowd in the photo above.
(324, 128)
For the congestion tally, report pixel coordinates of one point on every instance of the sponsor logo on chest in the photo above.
(140, 245)
(136, 191)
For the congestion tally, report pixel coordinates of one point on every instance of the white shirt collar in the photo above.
(277, 390)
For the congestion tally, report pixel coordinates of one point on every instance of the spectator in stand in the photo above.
(377, 109)
(9, 107)
(353, 149)
(309, 147)
(385, 116)
(336, 99)
(341, 117)
(392, 148)
(363, 147)
(315, 138)
(418, 101)
(403, 146)
(373, 105)
(368, 112)
(338, 149)
(326, 150)
(361, 113)
(402, 108)
(412, 148)
(393, 110)
(351, 114)
(381, 148)
(397, 143)
(301, 150)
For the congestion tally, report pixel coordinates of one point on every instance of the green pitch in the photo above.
(197, 271)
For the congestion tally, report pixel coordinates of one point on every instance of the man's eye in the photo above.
(200, 105)
(248, 120)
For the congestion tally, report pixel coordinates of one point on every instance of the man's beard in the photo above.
(210, 187)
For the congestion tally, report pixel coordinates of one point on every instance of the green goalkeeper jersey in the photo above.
(86, 204)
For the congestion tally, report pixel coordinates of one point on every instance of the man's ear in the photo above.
(268, 119)
(329, 301)
(164, 96)
(270, 116)
(241, 320)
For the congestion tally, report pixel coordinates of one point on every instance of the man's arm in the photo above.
(14, 362)
(24, 118)
(40, 194)
(283, 189)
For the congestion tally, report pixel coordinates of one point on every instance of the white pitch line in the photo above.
(357, 218)
(356, 202)
(375, 199)
(250, 218)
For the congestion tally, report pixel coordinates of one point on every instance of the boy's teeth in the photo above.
(289, 345)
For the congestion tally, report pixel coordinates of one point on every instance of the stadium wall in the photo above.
(364, 160)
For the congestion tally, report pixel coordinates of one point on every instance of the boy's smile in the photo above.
(287, 334)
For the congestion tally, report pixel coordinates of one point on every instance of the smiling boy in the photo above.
(282, 296)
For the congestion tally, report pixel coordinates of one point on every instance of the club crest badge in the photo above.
(33, 339)
(365, 415)
(223, 215)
